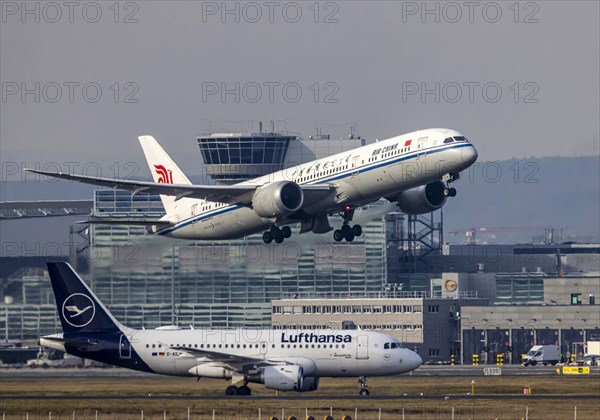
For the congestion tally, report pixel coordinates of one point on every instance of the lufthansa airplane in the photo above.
(285, 360)
(415, 170)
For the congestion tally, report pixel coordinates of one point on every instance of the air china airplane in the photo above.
(285, 360)
(415, 170)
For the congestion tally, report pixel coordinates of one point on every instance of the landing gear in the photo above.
(449, 178)
(234, 390)
(347, 232)
(450, 192)
(244, 390)
(362, 381)
(276, 234)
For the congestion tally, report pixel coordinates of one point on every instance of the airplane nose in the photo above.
(469, 155)
(415, 360)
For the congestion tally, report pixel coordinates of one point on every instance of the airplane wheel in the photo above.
(244, 390)
(267, 237)
(279, 239)
(286, 231)
(232, 390)
(338, 235)
(350, 237)
(346, 229)
(357, 230)
(363, 392)
(452, 192)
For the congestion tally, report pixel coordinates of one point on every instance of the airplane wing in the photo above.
(126, 221)
(230, 194)
(217, 356)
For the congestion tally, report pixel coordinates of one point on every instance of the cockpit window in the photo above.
(448, 140)
(393, 346)
(459, 138)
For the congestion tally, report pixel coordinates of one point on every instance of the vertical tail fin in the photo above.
(78, 307)
(163, 169)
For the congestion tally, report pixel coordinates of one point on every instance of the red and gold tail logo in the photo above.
(165, 176)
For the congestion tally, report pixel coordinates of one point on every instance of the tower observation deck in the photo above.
(235, 157)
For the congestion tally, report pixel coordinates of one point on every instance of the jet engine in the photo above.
(281, 378)
(422, 199)
(310, 384)
(278, 199)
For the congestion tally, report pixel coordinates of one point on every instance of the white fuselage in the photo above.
(321, 353)
(358, 176)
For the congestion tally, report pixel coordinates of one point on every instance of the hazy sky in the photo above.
(517, 81)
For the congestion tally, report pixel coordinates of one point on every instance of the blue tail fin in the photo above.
(79, 309)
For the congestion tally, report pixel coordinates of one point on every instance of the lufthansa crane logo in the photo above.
(165, 176)
(78, 310)
(450, 285)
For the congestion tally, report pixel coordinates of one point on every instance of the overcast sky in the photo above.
(517, 81)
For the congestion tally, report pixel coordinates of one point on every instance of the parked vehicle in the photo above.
(546, 354)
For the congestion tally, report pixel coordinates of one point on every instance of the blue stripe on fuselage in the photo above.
(345, 174)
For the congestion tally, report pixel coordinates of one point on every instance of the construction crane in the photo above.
(550, 232)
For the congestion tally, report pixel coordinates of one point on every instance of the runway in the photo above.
(293, 397)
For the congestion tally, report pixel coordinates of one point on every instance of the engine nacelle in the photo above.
(422, 199)
(281, 378)
(278, 199)
(310, 384)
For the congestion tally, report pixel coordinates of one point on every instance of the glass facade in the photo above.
(223, 284)
(519, 288)
(230, 158)
(255, 149)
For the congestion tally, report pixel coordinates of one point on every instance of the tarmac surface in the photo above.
(426, 370)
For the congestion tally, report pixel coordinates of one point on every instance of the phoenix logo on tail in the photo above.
(165, 176)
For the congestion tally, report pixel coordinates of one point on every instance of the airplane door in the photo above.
(263, 348)
(124, 347)
(355, 163)
(362, 347)
(421, 146)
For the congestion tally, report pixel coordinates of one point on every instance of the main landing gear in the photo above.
(448, 178)
(362, 382)
(347, 232)
(234, 390)
(276, 234)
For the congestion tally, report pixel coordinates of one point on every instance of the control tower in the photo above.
(235, 157)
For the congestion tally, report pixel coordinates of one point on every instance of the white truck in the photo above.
(546, 354)
(592, 354)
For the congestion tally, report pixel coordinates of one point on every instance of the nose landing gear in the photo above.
(449, 178)
(362, 382)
